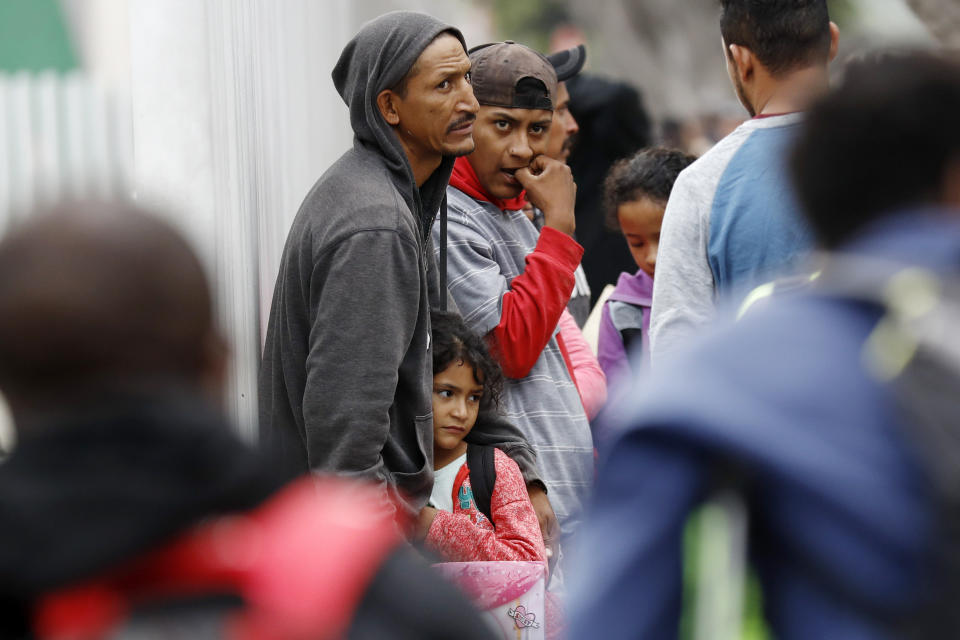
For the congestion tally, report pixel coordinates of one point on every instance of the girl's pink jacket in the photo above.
(466, 535)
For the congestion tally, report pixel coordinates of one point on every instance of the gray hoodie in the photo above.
(346, 380)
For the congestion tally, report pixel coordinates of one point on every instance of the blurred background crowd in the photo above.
(222, 111)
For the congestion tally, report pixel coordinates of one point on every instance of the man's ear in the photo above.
(834, 41)
(387, 103)
(743, 61)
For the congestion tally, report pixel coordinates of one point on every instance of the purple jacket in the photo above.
(625, 317)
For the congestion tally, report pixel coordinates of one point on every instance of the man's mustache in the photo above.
(462, 122)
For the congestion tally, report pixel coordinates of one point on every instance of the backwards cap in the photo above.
(507, 74)
(569, 62)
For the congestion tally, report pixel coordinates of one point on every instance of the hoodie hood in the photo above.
(634, 289)
(378, 58)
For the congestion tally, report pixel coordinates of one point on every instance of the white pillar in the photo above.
(234, 117)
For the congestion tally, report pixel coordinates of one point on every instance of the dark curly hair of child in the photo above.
(453, 341)
(646, 174)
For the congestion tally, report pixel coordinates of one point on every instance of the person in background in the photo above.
(613, 124)
(345, 380)
(635, 196)
(814, 408)
(563, 132)
(130, 507)
(732, 222)
(585, 370)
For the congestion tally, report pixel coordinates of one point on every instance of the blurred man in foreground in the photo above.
(121, 505)
(800, 406)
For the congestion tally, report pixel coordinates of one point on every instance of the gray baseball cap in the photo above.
(507, 74)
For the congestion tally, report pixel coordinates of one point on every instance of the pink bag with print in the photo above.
(510, 594)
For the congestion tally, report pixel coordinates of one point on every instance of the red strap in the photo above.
(462, 475)
(762, 116)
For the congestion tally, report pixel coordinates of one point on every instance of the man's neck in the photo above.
(792, 92)
(422, 163)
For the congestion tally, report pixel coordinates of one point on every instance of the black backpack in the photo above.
(483, 476)
(916, 348)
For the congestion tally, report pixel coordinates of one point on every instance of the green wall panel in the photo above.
(33, 37)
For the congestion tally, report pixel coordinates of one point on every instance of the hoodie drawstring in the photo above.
(443, 253)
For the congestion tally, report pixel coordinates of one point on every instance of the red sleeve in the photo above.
(531, 308)
(457, 538)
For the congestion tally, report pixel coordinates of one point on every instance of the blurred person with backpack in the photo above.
(635, 195)
(831, 411)
(129, 506)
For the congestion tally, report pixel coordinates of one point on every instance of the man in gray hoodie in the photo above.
(346, 380)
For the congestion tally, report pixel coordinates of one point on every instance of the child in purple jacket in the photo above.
(635, 195)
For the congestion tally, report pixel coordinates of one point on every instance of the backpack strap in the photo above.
(443, 253)
(483, 476)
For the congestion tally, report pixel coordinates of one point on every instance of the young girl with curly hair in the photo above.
(635, 196)
(466, 378)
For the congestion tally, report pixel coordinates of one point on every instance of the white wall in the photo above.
(233, 116)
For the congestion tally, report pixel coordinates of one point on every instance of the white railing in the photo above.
(61, 137)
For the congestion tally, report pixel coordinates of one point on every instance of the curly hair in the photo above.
(650, 173)
(453, 341)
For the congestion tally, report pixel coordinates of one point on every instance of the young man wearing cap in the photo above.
(510, 282)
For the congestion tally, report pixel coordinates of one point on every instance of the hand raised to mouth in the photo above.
(550, 188)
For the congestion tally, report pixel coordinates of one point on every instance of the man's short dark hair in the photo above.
(881, 141)
(783, 34)
(98, 294)
(649, 173)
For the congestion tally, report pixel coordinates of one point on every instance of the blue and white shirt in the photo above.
(732, 223)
